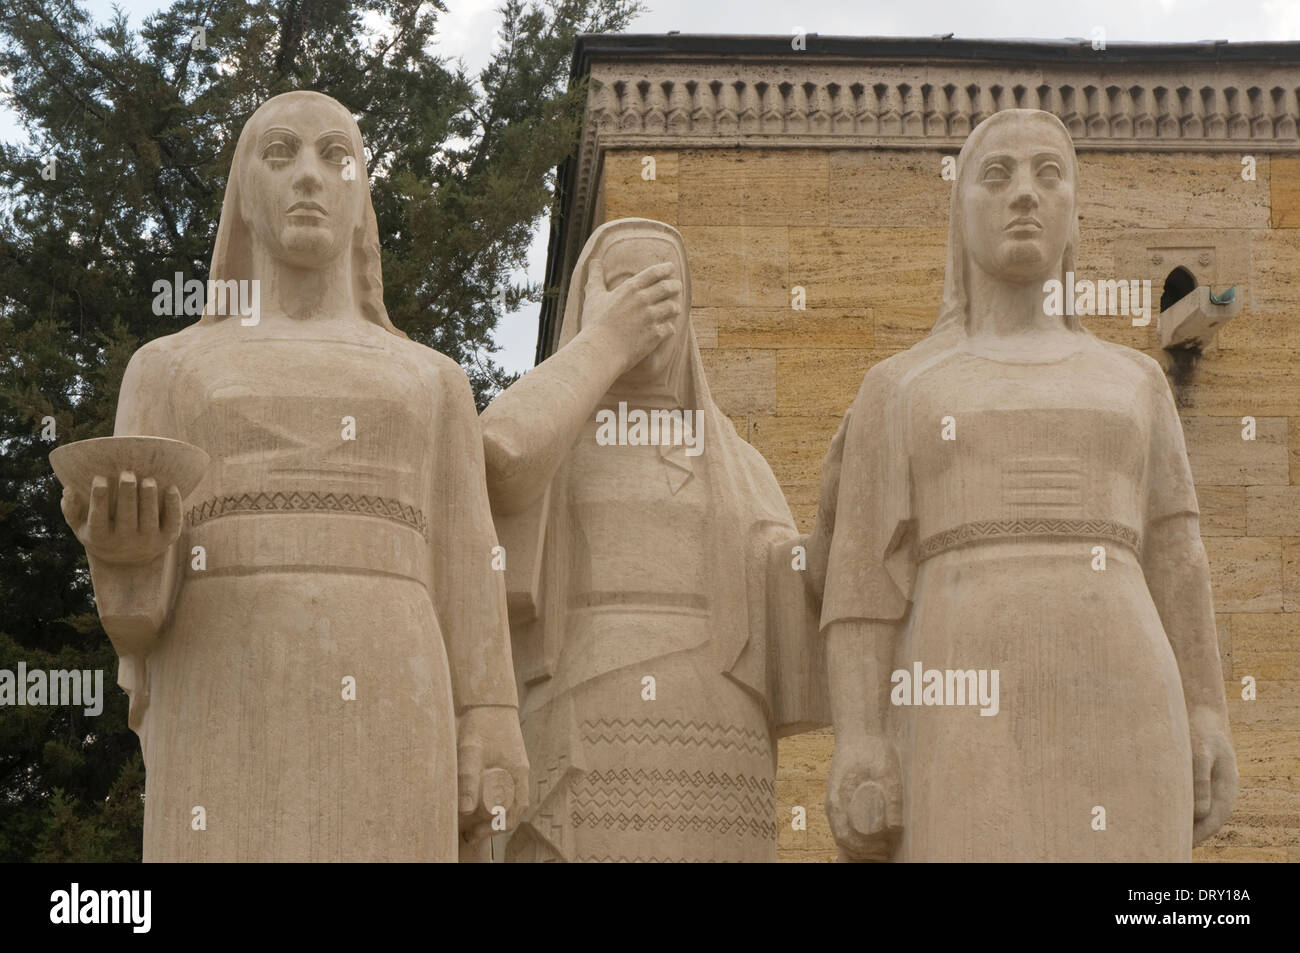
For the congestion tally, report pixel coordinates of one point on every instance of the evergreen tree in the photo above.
(141, 125)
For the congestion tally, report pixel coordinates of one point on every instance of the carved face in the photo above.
(628, 257)
(1018, 203)
(300, 198)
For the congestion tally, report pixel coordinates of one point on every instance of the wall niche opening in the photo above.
(1178, 285)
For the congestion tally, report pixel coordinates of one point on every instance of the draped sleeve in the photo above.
(871, 563)
(800, 698)
(127, 594)
(1170, 490)
(468, 593)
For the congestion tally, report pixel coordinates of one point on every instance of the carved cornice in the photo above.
(934, 106)
(747, 92)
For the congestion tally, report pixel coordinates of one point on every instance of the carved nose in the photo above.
(308, 183)
(1026, 199)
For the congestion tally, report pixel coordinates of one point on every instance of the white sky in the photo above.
(468, 31)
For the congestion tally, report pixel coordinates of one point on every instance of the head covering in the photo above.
(232, 257)
(684, 381)
(743, 492)
(746, 508)
(955, 310)
(682, 378)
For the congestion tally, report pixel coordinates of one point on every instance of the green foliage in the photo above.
(142, 126)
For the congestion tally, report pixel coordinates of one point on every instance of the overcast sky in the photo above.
(469, 27)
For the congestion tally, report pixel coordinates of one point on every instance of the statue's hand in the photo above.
(638, 315)
(1214, 772)
(138, 529)
(492, 771)
(864, 797)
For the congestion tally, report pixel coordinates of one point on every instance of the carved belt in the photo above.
(984, 530)
(351, 504)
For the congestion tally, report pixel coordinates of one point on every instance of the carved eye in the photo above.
(278, 151)
(335, 152)
(996, 172)
(1049, 170)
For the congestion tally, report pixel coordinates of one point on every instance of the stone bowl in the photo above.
(170, 462)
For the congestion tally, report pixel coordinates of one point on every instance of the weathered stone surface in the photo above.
(797, 444)
(879, 268)
(1273, 510)
(841, 328)
(630, 194)
(1217, 256)
(745, 378)
(1266, 814)
(1246, 572)
(704, 321)
(1234, 383)
(1291, 576)
(1266, 645)
(1273, 254)
(1220, 457)
(1276, 705)
(773, 187)
(738, 266)
(1223, 510)
(819, 382)
(1284, 183)
(1149, 191)
(1267, 754)
(1241, 855)
(888, 189)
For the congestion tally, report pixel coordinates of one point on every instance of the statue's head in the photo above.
(298, 193)
(625, 248)
(302, 178)
(1014, 210)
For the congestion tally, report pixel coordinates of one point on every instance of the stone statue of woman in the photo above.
(1008, 506)
(661, 628)
(331, 641)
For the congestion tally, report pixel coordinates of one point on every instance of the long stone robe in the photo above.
(643, 562)
(327, 560)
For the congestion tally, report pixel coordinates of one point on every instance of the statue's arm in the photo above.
(470, 600)
(468, 591)
(530, 427)
(864, 515)
(859, 659)
(528, 430)
(819, 540)
(134, 598)
(1178, 577)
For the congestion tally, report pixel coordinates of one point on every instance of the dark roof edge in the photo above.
(636, 45)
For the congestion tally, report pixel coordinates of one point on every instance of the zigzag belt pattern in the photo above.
(310, 502)
(688, 734)
(1029, 528)
(667, 799)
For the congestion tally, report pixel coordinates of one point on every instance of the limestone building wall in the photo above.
(861, 225)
